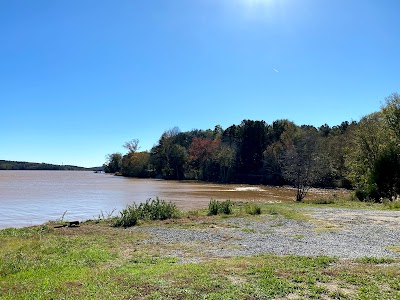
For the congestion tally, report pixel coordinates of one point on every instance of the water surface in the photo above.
(35, 197)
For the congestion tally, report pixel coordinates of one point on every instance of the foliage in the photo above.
(114, 163)
(150, 210)
(216, 207)
(373, 158)
(213, 207)
(136, 164)
(157, 210)
(253, 209)
(364, 155)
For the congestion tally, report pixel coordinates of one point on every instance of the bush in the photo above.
(157, 210)
(150, 210)
(253, 209)
(226, 207)
(128, 217)
(215, 207)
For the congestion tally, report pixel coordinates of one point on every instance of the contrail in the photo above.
(276, 70)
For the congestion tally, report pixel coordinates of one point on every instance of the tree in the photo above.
(254, 139)
(201, 155)
(368, 141)
(114, 163)
(168, 157)
(135, 164)
(391, 113)
(225, 157)
(301, 163)
(386, 173)
(132, 146)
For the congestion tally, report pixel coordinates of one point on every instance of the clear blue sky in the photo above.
(78, 78)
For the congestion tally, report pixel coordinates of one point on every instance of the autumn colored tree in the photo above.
(136, 164)
(201, 155)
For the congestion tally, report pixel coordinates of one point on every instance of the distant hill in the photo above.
(22, 165)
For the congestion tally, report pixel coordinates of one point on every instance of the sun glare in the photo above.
(266, 10)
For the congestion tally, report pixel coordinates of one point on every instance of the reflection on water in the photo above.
(34, 197)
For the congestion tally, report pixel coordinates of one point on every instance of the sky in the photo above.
(79, 78)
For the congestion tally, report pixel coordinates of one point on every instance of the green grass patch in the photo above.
(288, 211)
(253, 209)
(98, 261)
(375, 260)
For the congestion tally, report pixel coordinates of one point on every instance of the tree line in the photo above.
(22, 165)
(363, 155)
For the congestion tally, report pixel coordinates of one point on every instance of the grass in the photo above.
(98, 261)
(352, 202)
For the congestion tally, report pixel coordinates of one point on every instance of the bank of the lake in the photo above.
(290, 251)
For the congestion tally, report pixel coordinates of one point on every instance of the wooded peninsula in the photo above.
(363, 155)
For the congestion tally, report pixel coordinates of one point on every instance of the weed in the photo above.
(253, 209)
(216, 207)
(213, 207)
(150, 210)
(226, 207)
(157, 210)
(128, 217)
(323, 201)
(392, 204)
(106, 215)
(375, 260)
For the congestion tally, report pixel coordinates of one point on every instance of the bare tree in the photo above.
(301, 163)
(132, 146)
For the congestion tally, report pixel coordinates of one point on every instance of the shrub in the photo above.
(150, 210)
(226, 207)
(253, 209)
(157, 210)
(128, 217)
(215, 207)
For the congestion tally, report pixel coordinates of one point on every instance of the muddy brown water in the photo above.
(34, 197)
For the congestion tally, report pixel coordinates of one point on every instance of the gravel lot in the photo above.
(342, 233)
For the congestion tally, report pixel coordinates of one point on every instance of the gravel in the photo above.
(342, 233)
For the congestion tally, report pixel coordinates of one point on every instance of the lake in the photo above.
(35, 197)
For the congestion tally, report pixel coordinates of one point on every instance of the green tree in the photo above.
(168, 157)
(225, 157)
(391, 114)
(386, 173)
(136, 164)
(253, 141)
(113, 163)
(367, 143)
